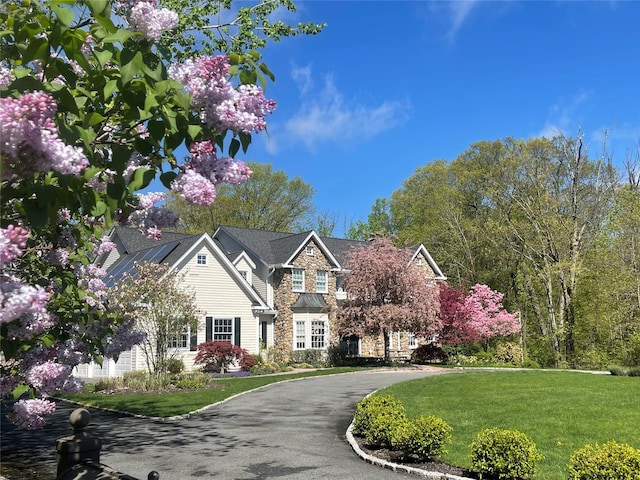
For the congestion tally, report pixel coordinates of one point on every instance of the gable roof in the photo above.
(436, 270)
(171, 249)
(280, 248)
(134, 241)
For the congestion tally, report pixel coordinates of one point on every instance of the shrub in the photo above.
(302, 365)
(314, 357)
(608, 461)
(530, 363)
(634, 372)
(376, 418)
(174, 365)
(337, 356)
(618, 371)
(218, 356)
(265, 368)
(509, 352)
(504, 454)
(428, 354)
(423, 437)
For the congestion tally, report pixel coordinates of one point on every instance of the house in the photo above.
(257, 289)
(300, 277)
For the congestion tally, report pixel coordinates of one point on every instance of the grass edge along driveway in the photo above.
(183, 402)
(561, 411)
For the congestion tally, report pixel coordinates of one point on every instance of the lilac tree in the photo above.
(95, 103)
(386, 293)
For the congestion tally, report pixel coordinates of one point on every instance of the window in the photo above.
(310, 250)
(301, 335)
(310, 334)
(321, 281)
(222, 329)
(419, 261)
(413, 340)
(298, 279)
(179, 341)
(317, 334)
(201, 259)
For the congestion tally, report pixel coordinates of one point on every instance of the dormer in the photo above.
(245, 266)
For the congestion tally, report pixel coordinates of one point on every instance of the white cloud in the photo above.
(563, 118)
(302, 76)
(325, 116)
(459, 11)
(454, 13)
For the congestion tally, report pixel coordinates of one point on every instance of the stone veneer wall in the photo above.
(284, 296)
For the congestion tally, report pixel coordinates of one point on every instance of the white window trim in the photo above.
(326, 282)
(187, 338)
(310, 250)
(293, 286)
(308, 333)
(202, 260)
(413, 341)
(213, 329)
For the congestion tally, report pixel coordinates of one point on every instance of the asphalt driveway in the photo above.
(290, 430)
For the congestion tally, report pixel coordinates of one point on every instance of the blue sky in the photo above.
(392, 85)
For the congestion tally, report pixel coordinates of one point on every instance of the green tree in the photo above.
(519, 215)
(380, 222)
(269, 200)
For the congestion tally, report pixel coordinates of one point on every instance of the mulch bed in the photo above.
(396, 457)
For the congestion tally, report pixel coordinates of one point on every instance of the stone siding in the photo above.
(284, 296)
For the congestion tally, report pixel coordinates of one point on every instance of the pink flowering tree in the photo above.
(97, 99)
(487, 317)
(475, 316)
(386, 293)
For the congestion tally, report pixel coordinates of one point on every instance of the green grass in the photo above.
(560, 411)
(182, 402)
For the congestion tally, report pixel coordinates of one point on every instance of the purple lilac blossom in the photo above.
(18, 299)
(6, 75)
(27, 414)
(48, 377)
(146, 18)
(221, 106)
(30, 142)
(12, 241)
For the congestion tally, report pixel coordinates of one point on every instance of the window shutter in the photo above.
(209, 328)
(236, 331)
(193, 339)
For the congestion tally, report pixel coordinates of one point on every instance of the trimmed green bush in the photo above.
(376, 418)
(604, 462)
(504, 454)
(423, 437)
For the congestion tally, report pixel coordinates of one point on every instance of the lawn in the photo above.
(560, 411)
(168, 404)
